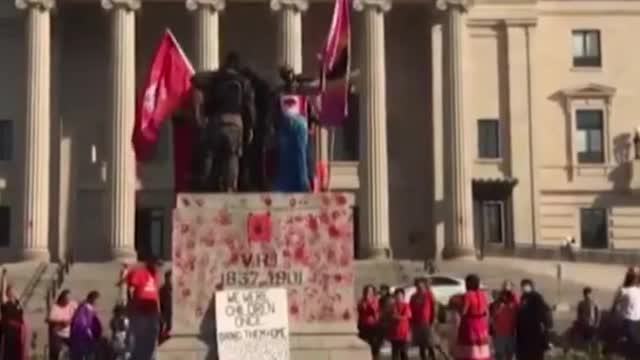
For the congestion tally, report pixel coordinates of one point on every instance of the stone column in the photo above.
(121, 174)
(521, 128)
(207, 32)
(439, 196)
(374, 178)
(37, 144)
(458, 204)
(290, 31)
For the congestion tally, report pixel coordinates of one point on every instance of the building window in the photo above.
(6, 140)
(586, 48)
(594, 233)
(345, 138)
(5, 226)
(488, 139)
(149, 232)
(590, 136)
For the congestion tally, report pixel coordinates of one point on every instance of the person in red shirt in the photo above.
(503, 320)
(369, 320)
(423, 311)
(399, 331)
(142, 283)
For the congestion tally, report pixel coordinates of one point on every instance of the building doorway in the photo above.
(492, 222)
(149, 236)
(493, 214)
(594, 230)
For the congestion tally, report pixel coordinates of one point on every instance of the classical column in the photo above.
(290, 31)
(35, 216)
(121, 175)
(439, 197)
(459, 211)
(207, 32)
(374, 179)
(521, 128)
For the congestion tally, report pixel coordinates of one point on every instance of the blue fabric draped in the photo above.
(293, 150)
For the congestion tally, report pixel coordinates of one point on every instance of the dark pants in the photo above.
(399, 350)
(252, 176)
(227, 149)
(216, 155)
(423, 349)
(56, 344)
(373, 337)
(11, 346)
(631, 330)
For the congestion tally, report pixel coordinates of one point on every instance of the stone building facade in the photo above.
(486, 125)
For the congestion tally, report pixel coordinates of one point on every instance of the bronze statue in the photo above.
(225, 117)
(253, 164)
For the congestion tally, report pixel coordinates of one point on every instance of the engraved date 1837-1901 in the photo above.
(268, 278)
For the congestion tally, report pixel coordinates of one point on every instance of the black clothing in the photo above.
(229, 111)
(253, 170)
(226, 150)
(11, 322)
(399, 350)
(225, 91)
(533, 322)
(166, 309)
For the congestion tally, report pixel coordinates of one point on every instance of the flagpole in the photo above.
(177, 44)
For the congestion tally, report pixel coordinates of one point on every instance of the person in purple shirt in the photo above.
(86, 329)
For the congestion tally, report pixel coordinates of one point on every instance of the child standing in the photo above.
(503, 319)
(120, 334)
(400, 329)
(588, 320)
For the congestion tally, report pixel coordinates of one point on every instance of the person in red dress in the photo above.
(400, 328)
(473, 332)
(423, 310)
(369, 320)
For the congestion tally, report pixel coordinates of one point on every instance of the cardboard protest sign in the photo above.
(252, 324)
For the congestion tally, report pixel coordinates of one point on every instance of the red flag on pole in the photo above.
(336, 63)
(167, 88)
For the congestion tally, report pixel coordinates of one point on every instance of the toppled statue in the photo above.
(225, 116)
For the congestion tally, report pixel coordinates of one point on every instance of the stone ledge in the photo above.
(303, 347)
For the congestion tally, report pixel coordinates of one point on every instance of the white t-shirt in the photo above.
(629, 303)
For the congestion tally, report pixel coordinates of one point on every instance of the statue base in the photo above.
(325, 346)
(308, 237)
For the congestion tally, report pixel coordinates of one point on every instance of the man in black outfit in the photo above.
(225, 114)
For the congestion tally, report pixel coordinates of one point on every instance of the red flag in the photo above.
(168, 87)
(336, 61)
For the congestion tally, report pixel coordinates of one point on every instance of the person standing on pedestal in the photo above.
(228, 110)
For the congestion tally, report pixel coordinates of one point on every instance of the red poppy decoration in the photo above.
(259, 228)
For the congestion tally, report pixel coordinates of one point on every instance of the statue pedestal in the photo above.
(300, 242)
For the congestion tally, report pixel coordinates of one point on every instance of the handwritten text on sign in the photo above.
(252, 324)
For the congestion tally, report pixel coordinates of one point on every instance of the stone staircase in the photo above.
(85, 277)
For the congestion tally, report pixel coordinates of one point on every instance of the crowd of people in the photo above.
(509, 326)
(513, 325)
(141, 320)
